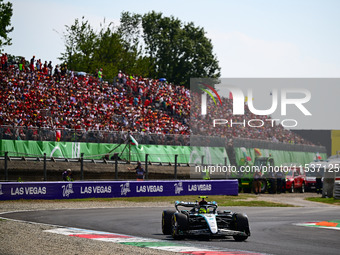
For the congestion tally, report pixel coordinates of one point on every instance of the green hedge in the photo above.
(157, 153)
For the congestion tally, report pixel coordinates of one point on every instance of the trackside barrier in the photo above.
(337, 190)
(107, 189)
(95, 151)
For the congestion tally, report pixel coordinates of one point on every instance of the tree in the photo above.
(130, 30)
(80, 40)
(150, 45)
(6, 12)
(179, 51)
(110, 48)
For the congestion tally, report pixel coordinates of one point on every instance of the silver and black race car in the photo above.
(203, 219)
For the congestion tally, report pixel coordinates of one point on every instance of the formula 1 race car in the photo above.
(203, 219)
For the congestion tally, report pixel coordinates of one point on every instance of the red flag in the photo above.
(58, 135)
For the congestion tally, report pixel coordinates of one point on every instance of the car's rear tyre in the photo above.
(166, 221)
(292, 188)
(179, 224)
(240, 222)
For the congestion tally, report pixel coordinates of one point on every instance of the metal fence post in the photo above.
(116, 165)
(225, 164)
(45, 169)
(146, 167)
(175, 173)
(82, 166)
(6, 166)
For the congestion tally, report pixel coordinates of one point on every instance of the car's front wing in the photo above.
(220, 232)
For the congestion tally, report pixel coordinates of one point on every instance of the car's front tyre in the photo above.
(179, 224)
(241, 224)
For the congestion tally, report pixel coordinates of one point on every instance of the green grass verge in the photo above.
(255, 203)
(324, 200)
(240, 200)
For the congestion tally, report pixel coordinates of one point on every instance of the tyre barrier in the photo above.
(337, 190)
(110, 189)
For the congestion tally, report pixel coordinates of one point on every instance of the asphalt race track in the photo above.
(273, 230)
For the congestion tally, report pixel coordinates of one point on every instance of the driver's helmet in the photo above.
(203, 210)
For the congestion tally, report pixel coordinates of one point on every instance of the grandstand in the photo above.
(34, 104)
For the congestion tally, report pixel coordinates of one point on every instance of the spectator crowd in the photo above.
(40, 95)
(33, 97)
(237, 126)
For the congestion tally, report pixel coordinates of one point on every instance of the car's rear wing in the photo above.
(194, 204)
(185, 204)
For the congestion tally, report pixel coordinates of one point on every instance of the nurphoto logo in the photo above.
(280, 99)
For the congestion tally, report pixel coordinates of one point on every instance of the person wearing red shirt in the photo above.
(4, 61)
(146, 103)
(32, 64)
(45, 69)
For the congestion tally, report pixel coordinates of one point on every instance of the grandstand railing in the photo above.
(91, 136)
(100, 136)
(254, 143)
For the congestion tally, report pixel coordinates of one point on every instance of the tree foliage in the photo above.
(80, 40)
(180, 51)
(87, 50)
(150, 45)
(6, 12)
